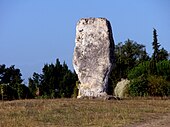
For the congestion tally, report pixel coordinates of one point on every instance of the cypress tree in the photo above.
(156, 46)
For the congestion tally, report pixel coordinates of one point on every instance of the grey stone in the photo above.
(121, 88)
(93, 56)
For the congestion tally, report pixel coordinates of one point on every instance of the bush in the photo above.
(150, 85)
(145, 80)
(138, 86)
(163, 69)
(141, 69)
(158, 86)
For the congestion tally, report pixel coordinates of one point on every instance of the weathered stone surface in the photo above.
(93, 56)
(121, 88)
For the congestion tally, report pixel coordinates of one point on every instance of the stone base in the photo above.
(86, 90)
(106, 97)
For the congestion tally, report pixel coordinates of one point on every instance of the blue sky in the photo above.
(35, 32)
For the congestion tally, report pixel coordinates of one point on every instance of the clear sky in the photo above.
(35, 32)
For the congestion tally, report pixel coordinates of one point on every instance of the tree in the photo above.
(163, 54)
(128, 55)
(155, 46)
(14, 88)
(55, 81)
(35, 84)
(158, 54)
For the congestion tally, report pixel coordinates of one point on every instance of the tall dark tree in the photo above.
(55, 81)
(155, 45)
(158, 54)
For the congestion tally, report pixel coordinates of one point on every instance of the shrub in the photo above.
(158, 86)
(150, 85)
(141, 69)
(146, 81)
(163, 69)
(138, 86)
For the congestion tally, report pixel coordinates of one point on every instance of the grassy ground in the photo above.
(81, 113)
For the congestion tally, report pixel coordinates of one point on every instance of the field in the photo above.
(82, 113)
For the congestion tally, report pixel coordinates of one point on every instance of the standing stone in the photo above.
(93, 56)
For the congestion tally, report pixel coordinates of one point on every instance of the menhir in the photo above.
(93, 56)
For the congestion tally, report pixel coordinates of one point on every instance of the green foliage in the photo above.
(8, 93)
(56, 81)
(158, 54)
(150, 85)
(127, 56)
(11, 82)
(141, 69)
(139, 86)
(75, 93)
(133, 53)
(152, 67)
(163, 54)
(34, 84)
(163, 69)
(156, 46)
(158, 86)
(67, 85)
(23, 91)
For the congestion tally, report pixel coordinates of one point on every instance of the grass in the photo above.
(80, 113)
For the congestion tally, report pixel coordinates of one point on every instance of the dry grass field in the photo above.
(82, 113)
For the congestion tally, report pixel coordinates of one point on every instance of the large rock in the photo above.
(93, 56)
(121, 88)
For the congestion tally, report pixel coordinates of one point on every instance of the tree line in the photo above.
(11, 84)
(148, 75)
